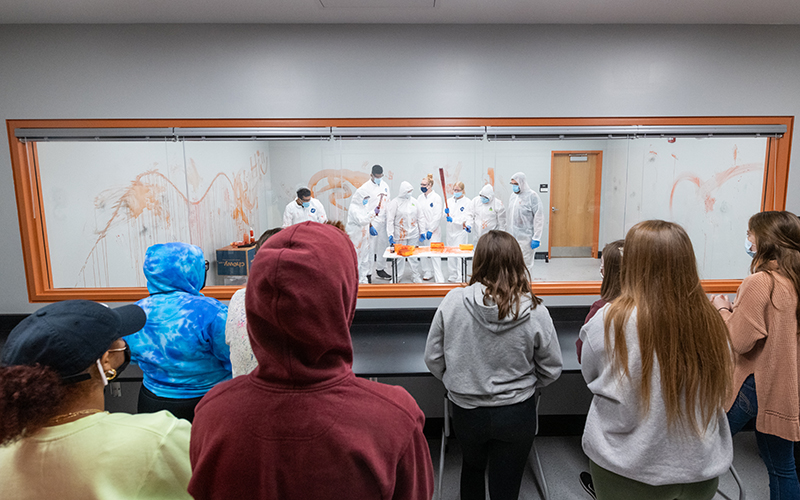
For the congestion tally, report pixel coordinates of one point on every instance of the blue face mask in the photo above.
(484, 199)
(515, 188)
(366, 200)
(423, 189)
(458, 194)
(747, 246)
(377, 181)
(306, 204)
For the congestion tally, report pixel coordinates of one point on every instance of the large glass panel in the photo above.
(105, 203)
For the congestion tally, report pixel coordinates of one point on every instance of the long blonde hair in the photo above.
(675, 322)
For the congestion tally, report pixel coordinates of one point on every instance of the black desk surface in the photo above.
(391, 342)
(394, 345)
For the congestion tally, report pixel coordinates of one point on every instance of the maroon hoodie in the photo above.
(302, 426)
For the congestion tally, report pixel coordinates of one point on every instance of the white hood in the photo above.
(522, 180)
(488, 192)
(405, 190)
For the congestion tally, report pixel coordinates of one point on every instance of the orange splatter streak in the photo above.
(706, 188)
(673, 155)
(341, 183)
(491, 176)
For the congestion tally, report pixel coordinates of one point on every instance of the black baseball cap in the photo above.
(377, 170)
(70, 336)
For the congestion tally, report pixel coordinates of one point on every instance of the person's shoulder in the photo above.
(391, 399)
(159, 424)
(238, 295)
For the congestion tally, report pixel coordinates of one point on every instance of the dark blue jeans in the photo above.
(777, 453)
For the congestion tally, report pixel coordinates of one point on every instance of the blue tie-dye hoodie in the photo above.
(181, 349)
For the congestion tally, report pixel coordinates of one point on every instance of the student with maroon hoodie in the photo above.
(302, 426)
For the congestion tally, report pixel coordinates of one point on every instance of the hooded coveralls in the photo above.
(403, 224)
(461, 212)
(294, 213)
(432, 210)
(181, 349)
(302, 426)
(359, 218)
(379, 243)
(490, 215)
(525, 218)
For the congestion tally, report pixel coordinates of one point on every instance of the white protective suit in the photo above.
(490, 215)
(432, 213)
(359, 218)
(403, 224)
(525, 218)
(461, 212)
(378, 244)
(294, 213)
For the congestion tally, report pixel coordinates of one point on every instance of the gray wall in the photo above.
(323, 71)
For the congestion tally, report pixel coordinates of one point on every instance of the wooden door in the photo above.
(575, 178)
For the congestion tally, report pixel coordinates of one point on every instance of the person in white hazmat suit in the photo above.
(459, 225)
(488, 211)
(359, 222)
(379, 240)
(432, 210)
(403, 225)
(525, 218)
(304, 208)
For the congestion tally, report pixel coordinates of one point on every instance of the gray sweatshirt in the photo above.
(619, 439)
(486, 361)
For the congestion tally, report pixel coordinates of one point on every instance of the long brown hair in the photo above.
(612, 280)
(676, 324)
(499, 266)
(777, 236)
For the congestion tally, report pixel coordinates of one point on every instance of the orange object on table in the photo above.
(404, 250)
(468, 246)
(437, 246)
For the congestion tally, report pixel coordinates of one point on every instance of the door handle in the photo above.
(554, 209)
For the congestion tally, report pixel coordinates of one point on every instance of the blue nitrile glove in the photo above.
(468, 229)
(534, 244)
(391, 240)
(429, 235)
(421, 238)
(377, 210)
(373, 231)
(449, 219)
(447, 211)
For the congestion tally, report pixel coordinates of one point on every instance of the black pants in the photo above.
(181, 408)
(499, 438)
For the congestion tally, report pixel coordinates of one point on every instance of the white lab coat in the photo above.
(432, 213)
(488, 216)
(378, 244)
(525, 218)
(359, 218)
(403, 223)
(461, 212)
(294, 213)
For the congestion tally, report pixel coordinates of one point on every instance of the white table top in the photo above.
(426, 252)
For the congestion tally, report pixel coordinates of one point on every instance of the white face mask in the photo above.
(102, 373)
(748, 245)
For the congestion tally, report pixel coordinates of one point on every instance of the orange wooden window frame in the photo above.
(33, 231)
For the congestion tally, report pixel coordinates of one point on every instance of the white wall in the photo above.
(240, 71)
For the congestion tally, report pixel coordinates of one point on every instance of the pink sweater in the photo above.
(765, 342)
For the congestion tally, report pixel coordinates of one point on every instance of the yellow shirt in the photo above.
(102, 456)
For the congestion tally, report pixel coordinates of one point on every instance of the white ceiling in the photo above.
(403, 11)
